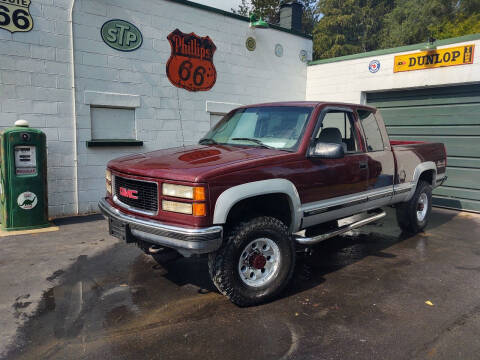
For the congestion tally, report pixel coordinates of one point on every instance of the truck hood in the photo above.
(190, 163)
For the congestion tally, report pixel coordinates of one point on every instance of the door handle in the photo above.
(362, 165)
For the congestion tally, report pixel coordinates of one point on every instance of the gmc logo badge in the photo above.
(131, 194)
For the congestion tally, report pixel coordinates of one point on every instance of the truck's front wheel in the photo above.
(255, 262)
(413, 215)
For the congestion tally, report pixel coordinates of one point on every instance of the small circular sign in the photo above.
(303, 55)
(27, 200)
(374, 66)
(251, 43)
(121, 35)
(279, 50)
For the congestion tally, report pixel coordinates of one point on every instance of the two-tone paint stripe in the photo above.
(353, 201)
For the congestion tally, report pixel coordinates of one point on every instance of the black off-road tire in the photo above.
(407, 211)
(223, 264)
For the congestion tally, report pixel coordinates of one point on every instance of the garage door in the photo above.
(450, 115)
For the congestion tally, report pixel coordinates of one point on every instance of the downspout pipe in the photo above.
(74, 113)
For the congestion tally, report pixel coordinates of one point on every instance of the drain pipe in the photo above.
(74, 112)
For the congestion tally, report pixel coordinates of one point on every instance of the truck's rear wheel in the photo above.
(413, 215)
(255, 262)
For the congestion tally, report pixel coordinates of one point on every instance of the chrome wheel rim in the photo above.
(259, 262)
(422, 207)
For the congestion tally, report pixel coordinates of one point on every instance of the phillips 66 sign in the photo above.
(191, 62)
(15, 15)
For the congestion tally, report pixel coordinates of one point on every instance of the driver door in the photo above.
(334, 183)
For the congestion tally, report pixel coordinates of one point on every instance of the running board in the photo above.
(377, 214)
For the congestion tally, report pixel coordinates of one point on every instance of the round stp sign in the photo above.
(121, 35)
(374, 66)
(27, 200)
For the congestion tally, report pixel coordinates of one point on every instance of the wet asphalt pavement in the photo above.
(358, 296)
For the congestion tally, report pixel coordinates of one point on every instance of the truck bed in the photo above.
(409, 154)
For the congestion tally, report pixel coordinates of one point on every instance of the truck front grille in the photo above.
(137, 194)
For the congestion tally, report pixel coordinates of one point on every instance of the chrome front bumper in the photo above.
(185, 240)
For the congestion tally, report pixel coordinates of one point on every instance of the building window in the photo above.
(113, 123)
(373, 136)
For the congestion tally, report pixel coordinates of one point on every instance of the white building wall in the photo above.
(169, 116)
(349, 80)
(36, 85)
(36, 82)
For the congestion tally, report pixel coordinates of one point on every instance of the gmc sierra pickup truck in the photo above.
(260, 177)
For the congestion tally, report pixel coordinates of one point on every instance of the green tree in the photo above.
(348, 26)
(464, 20)
(243, 8)
(269, 10)
(411, 21)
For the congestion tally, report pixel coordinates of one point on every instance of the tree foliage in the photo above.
(344, 27)
(269, 10)
(348, 26)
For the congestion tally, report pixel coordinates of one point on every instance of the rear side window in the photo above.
(373, 136)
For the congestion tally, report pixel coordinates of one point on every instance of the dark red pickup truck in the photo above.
(263, 174)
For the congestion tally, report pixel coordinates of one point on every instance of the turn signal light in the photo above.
(199, 193)
(108, 181)
(199, 210)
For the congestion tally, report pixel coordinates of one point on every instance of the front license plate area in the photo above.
(120, 230)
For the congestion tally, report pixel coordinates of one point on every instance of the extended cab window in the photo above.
(338, 127)
(373, 136)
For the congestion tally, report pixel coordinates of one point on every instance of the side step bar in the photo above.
(377, 214)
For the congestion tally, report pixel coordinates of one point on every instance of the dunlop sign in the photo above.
(460, 55)
(15, 15)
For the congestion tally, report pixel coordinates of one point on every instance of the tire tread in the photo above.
(219, 267)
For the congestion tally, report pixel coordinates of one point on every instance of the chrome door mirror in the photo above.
(326, 150)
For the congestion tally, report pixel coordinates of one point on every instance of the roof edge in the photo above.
(238, 17)
(394, 50)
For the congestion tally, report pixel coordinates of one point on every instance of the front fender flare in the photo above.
(233, 195)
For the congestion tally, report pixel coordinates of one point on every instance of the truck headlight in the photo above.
(108, 181)
(185, 192)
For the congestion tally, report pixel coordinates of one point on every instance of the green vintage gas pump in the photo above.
(23, 178)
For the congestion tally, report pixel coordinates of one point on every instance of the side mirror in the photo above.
(324, 150)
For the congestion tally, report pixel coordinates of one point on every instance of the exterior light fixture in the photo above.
(257, 23)
(430, 45)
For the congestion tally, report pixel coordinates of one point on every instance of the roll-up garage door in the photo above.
(450, 115)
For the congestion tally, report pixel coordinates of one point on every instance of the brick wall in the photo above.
(36, 85)
(36, 72)
(169, 116)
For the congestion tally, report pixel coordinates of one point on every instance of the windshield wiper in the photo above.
(256, 141)
(207, 141)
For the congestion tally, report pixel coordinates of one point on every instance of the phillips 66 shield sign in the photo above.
(191, 62)
(15, 15)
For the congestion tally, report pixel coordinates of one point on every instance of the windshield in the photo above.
(279, 127)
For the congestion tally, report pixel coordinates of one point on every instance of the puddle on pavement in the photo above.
(122, 304)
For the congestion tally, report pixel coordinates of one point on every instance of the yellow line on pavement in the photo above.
(4, 233)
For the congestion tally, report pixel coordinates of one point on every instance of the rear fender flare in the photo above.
(419, 170)
(233, 195)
